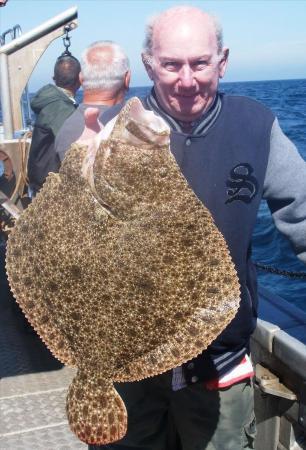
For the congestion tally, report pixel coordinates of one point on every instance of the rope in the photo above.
(25, 149)
(284, 273)
(22, 180)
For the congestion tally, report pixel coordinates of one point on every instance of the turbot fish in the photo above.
(120, 268)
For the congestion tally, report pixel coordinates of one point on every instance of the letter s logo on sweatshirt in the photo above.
(242, 185)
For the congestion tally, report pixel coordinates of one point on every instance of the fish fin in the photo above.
(95, 410)
(39, 317)
(135, 125)
(37, 312)
(197, 333)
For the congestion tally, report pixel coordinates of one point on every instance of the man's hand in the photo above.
(92, 124)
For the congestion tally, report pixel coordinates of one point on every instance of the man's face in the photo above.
(186, 68)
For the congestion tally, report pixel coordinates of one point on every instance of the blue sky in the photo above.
(267, 38)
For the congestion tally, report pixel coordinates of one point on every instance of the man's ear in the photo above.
(223, 62)
(81, 78)
(147, 63)
(127, 79)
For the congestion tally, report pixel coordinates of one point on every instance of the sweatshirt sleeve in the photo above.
(285, 189)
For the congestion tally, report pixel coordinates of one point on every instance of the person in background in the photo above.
(52, 104)
(233, 153)
(105, 77)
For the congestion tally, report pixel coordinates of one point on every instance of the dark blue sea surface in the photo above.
(287, 99)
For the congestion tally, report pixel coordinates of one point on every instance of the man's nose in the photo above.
(186, 77)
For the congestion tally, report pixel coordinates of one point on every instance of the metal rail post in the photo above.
(5, 97)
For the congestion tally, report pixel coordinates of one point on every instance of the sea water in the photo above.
(287, 99)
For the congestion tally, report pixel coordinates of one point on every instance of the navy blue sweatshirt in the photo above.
(225, 160)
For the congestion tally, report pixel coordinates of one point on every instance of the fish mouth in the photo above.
(143, 131)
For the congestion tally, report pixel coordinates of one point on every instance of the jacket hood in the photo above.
(47, 94)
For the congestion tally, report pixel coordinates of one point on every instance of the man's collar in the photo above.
(199, 126)
(68, 93)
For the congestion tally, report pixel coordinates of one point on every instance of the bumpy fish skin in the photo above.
(121, 269)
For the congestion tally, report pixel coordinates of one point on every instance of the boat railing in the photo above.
(14, 33)
(278, 349)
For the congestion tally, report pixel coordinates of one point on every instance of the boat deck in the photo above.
(33, 414)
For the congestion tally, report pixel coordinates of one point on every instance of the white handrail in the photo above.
(41, 30)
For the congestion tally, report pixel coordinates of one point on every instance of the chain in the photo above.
(284, 273)
(67, 41)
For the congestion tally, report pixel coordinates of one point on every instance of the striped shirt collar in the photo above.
(68, 93)
(201, 126)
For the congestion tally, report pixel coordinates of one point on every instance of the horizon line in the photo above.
(225, 82)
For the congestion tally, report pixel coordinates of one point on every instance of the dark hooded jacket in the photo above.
(52, 107)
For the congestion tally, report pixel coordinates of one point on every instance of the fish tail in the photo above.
(95, 410)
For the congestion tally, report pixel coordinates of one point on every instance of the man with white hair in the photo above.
(104, 77)
(232, 152)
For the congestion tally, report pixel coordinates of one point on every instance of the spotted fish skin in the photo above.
(120, 268)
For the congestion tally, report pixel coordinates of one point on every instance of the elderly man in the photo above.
(105, 78)
(232, 152)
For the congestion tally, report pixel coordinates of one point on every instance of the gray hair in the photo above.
(148, 42)
(104, 72)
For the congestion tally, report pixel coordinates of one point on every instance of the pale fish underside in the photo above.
(120, 269)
